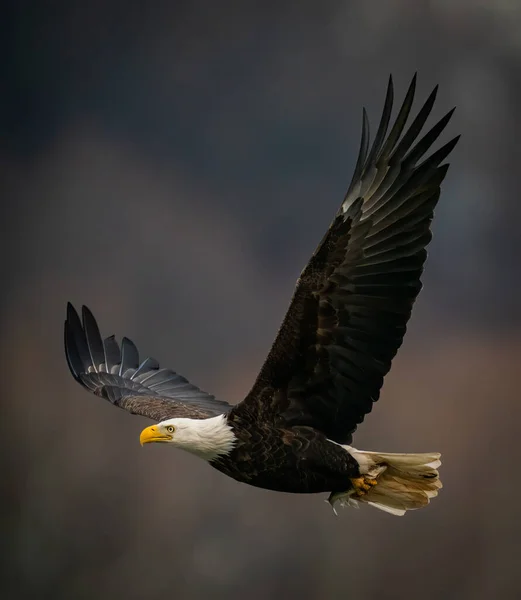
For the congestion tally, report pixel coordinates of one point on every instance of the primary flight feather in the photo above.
(345, 323)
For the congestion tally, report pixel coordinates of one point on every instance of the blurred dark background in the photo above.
(172, 165)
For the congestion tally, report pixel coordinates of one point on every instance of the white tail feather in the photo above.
(404, 481)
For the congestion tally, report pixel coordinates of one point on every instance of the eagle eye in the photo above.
(170, 429)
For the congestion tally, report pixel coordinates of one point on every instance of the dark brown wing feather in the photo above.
(118, 376)
(352, 302)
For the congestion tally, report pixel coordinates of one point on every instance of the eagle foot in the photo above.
(362, 485)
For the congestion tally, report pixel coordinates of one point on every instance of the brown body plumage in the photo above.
(294, 459)
(345, 324)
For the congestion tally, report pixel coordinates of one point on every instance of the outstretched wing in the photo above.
(352, 302)
(117, 375)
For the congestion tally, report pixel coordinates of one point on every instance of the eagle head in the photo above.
(207, 438)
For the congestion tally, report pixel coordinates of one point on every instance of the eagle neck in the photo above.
(210, 439)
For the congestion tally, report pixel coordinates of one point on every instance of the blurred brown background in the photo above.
(172, 165)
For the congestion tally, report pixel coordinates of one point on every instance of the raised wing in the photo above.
(352, 302)
(118, 376)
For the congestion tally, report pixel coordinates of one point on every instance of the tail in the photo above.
(403, 481)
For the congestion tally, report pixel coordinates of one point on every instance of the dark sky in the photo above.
(172, 165)
(260, 102)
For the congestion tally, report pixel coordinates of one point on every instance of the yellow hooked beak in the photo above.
(152, 434)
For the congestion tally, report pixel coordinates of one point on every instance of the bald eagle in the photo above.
(345, 323)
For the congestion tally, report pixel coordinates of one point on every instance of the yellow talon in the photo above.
(362, 485)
